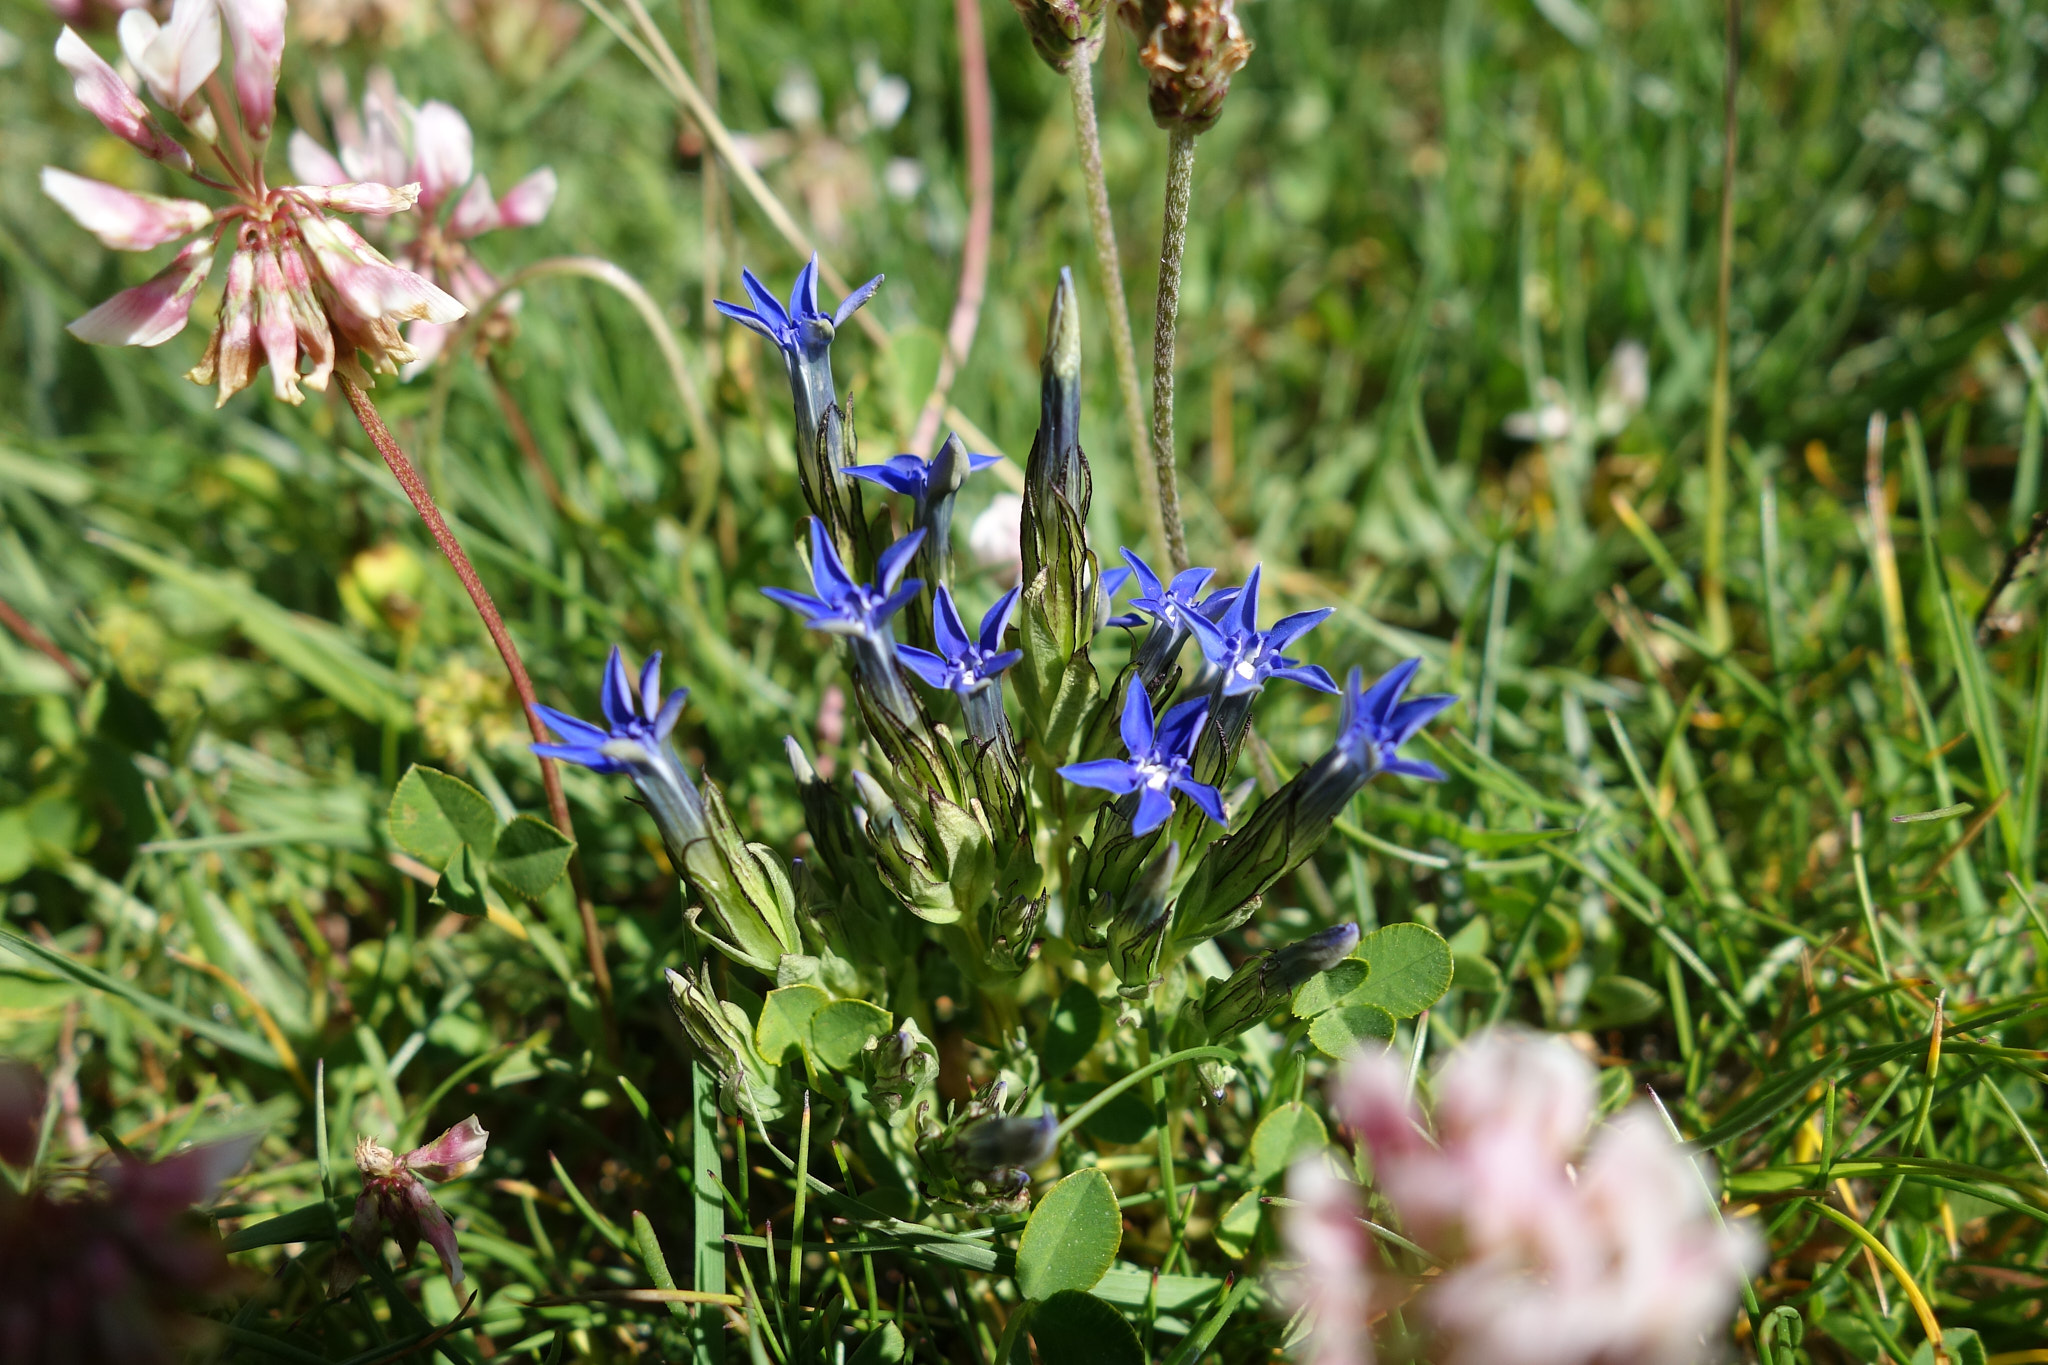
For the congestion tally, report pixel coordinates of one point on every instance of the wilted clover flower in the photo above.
(431, 146)
(106, 1269)
(301, 285)
(1158, 762)
(1191, 49)
(395, 1199)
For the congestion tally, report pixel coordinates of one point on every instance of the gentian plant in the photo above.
(1065, 838)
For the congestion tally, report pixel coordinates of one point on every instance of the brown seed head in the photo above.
(1191, 49)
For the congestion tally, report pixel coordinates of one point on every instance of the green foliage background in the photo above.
(1412, 222)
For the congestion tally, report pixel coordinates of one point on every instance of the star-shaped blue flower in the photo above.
(1375, 722)
(1158, 762)
(842, 606)
(964, 664)
(910, 476)
(636, 744)
(1168, 603)
(1245, 655)
(637, 714)
(801, 327)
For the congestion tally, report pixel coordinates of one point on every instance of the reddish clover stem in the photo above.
(981, 214)
(42, 644)
(437, 526)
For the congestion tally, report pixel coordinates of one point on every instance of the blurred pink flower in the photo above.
(1332, 1285)
(1618, 1259)
(82, 13)
(395, 1199)
(106, 1268)
(430, 146)
(300, 286)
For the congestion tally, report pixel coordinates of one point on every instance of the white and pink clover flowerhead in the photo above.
(302, 287)
(395, 1199)
(1555, 1249)
(429, 145)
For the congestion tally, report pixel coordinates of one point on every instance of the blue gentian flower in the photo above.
(803, 333)
(861, 612)
(1376, 722)
(911, 476)
(842, 606)
(963, 663)
(1169, 605)
(1246, 656)
(1157, 765)
(800, 327)
(641, 720)
(1163, 602)
(969, 666)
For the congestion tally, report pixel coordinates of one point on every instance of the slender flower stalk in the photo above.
(1173, 243)
(1191, 49)
(1080, 74)
(1713, 547)
(480, 597)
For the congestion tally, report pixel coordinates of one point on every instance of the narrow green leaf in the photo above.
(234, 1040)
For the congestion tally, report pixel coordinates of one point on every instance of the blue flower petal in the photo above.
(1103, 774)
(997, 620)
(853, 302)
(615, 697)
(950, 634)
(896, 558)
(1180, 725)
(925, 664)
(1135, 725)
(1154, 807)
(1204, 796)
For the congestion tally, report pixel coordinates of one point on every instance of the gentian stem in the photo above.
(1081, 84)
(437, 526)
(1173, 241)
